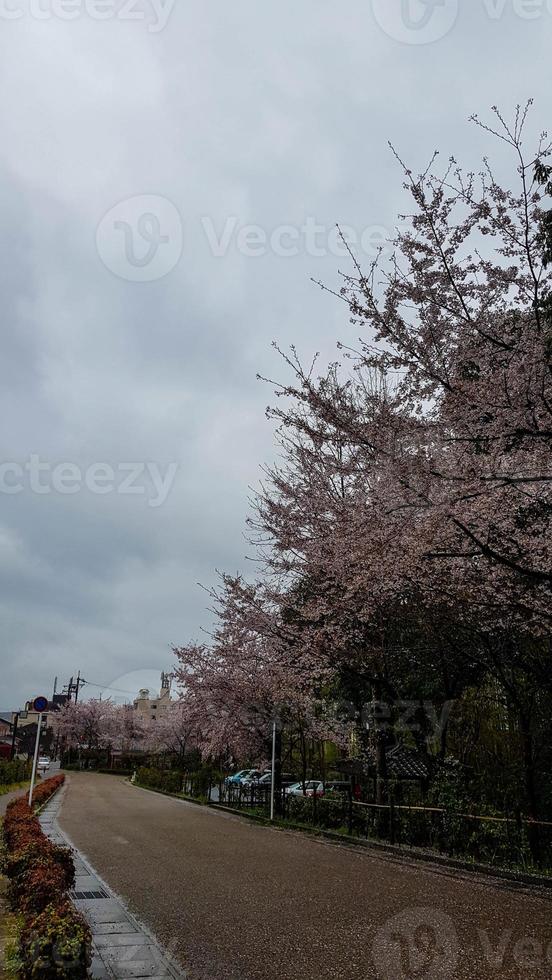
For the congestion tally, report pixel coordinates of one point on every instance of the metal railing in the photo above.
(505, 840)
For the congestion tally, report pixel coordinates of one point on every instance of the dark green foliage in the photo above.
(56, 944)
(169, 780)
(14, 772)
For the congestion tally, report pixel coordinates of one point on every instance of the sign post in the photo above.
(40, 705)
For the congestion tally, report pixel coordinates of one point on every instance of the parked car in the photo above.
(338, 786)
(254, 776)
(313, 787)
(237, 777)
(43, 763)
(287, 779)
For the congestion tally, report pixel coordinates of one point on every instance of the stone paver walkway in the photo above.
(122, 948)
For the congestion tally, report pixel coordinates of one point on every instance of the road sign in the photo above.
(40, 705)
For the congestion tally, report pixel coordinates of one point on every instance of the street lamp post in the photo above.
(273, 782)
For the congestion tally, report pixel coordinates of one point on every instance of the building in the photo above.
(151, 709)
(5, 734)
(29, 717)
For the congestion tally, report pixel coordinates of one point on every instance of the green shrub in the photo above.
(56, 944)
(14, 772)
(198, 782)
(55, 941)
(330, 812)
(168, 780)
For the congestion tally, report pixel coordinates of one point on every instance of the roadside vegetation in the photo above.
(13, 775)
(53, 940)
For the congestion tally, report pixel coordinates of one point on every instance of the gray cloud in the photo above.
(272, 116)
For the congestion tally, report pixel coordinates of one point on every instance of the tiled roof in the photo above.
(402, 763)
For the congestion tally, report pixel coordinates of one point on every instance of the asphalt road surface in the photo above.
(235, 901)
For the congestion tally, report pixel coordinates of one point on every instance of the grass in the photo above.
(9, 932)
(14, 786)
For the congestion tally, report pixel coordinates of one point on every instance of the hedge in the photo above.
(55, 941)
(14, 772)
(168, 780)
(56, 944)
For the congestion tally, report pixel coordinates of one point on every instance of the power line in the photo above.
(107, 687)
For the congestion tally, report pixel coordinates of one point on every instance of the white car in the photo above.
(43, 763)
(313, 787)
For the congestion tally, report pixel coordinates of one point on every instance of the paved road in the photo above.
(234, 901)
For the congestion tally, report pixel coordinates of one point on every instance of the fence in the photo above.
(507, 841)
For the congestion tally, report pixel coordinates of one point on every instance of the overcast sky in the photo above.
(169, 182)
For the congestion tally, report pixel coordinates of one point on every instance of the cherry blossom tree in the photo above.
(85, 724)
(175, 731)
(419, 483)
(125, 728)
(253, 673)
(403, 538)
(97, 725)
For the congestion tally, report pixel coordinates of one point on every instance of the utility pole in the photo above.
(73, 687)
(16, 715)
(14, 735)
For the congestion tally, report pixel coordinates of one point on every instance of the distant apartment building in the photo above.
(153, 708)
